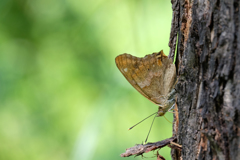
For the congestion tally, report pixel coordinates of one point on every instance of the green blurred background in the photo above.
(62, 96)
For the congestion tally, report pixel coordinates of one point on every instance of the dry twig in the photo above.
(139, 149)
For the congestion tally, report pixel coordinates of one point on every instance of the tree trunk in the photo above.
(208, 68)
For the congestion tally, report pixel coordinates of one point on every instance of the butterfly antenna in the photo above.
(141, 121)
(150, 128)
(167, 119)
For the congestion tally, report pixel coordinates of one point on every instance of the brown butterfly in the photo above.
(154, 76)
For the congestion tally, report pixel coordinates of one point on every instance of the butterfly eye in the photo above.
(160, 113)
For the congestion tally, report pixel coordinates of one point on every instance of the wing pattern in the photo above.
(153, 75)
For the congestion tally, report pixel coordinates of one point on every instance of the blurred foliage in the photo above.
(62, 97)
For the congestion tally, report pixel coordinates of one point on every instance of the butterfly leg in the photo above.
(172, 108)
(172, 104)
(171, 100)
(172, 94)
(168, 104)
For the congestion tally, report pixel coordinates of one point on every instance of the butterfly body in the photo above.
(154, 76)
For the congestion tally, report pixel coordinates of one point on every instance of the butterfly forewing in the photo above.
(126, 64)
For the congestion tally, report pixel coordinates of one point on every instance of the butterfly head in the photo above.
(161, 111)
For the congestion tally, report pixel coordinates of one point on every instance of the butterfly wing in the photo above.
(153, 76)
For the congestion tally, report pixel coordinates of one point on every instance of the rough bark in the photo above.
(208, 68)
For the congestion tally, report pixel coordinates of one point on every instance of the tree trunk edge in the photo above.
(208, 68)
